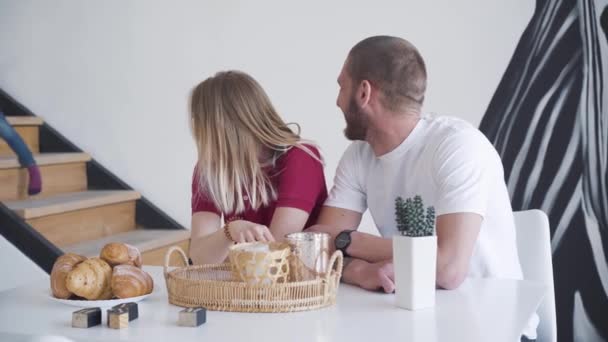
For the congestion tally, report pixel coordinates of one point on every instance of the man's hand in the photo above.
(371, 276)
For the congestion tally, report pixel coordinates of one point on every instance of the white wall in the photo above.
(114, 76)
(16, 268)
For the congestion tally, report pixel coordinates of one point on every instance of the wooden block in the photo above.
(86, 318)
(118, 319)
(131, 309)
(192, 317)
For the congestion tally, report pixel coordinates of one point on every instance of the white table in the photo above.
(480, 310)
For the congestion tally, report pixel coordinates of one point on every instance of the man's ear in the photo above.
(364, 93)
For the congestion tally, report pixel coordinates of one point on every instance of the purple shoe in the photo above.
(35, 184)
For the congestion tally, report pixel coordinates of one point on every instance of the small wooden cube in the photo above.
(130, 307)
(118, 319)
(86, 318)
(192, 317)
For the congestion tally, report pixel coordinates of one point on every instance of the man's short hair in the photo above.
(393, 65)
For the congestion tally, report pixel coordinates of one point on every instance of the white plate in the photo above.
(99, 303)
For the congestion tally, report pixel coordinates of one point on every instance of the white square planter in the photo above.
(415, 260)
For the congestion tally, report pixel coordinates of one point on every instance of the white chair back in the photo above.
(534, 249)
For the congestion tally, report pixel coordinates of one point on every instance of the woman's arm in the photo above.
(208, 243)
(286, 220)
(301, 188)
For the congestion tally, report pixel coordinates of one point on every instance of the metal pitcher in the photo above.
(309, 255)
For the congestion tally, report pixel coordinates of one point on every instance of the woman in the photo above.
(24, 155)
(252, 170)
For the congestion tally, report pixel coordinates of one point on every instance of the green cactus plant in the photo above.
(412, 219)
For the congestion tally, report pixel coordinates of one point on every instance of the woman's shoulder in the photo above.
(304, 151)
(300, 166)
(300, 158)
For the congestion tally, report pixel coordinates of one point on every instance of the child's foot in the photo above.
(35, 185)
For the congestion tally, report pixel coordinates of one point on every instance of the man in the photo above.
(399, 152)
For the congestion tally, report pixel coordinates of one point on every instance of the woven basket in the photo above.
(260, 267)
(215, 287)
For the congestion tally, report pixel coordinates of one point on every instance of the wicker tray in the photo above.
(215, 287)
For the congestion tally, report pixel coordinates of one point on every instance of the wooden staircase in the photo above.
(68, 212)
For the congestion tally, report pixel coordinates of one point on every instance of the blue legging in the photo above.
(7, 132)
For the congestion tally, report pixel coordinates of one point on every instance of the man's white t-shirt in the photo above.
(453, 167)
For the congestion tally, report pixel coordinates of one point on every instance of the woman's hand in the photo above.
(246, 231)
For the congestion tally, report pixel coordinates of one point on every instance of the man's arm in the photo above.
(333, 220)
(370, 276)
(462, 168)
(456, 236)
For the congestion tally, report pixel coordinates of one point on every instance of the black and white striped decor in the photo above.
(549, 121)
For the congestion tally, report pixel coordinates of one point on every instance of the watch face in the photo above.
(342, 240)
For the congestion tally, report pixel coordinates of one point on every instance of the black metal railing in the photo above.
(29, 241)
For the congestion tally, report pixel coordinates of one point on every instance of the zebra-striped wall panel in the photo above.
(549, 121)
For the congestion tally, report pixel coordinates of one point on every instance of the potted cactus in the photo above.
(414, 254)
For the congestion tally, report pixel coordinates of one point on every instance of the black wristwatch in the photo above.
(343, 240)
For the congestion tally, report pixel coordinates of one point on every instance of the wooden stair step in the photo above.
(25, 120)
(33, 208)
(144, 239)
(28, 129)
(60, 172)
(66, 219)
(11, 162)
(156, 257)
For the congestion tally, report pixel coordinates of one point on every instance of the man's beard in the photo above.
(356, 123)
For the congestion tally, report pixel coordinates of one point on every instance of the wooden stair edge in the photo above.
(144, 239)
(156, 257)
(69, 202)
(177, 235)
(25, 120)
(11, 162)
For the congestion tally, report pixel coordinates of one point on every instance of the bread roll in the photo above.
(91, 279)
(116, 253)
(63, 265)
(130, 281)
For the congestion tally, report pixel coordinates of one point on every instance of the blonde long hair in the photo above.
(233, 121)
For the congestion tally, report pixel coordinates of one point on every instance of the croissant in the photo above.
(130, 281)
(63, 265)
(91, 279)
(120, 253)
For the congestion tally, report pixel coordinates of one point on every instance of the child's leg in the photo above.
(14, 141)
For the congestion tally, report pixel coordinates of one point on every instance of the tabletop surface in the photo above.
(479, 310)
